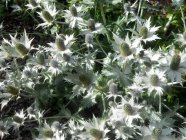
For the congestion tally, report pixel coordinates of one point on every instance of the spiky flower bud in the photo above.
(85, 80)
(47, 16)
(27, 73)
(156, 133)
(48, 133)
(56, 125)
(21, 49)
(30, 110)
(143, 32)
(113, 88)
(40, 58)
(66, 57)
(175, 62)
(18, 119)
(88, 39)
(128, 109)
(54, 63)
(154, 79)
(73, 11)
(12, 90)
(33, 3)
(97, 134)
(91, 25)
(60, 43)
(127, 7)
(125, 49)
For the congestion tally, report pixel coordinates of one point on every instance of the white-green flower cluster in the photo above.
(90, 75)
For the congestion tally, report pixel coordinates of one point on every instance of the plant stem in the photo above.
(160, 104)
(183, 19)
(100, 46)
(139, 7)
(102, 13)
(177, 114)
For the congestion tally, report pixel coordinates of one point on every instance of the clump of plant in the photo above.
(94, 70)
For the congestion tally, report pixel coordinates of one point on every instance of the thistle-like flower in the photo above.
(156, 133)
(174, 63)
(124, 47)
(48, 14)
(18, 119)
(154, 81)
(126, 111)
(21, 46)
(48, 132)
(92, 27)
(61, 46)
(84, 80)
(33, 4)
(73, 16)
(145, 32)
(54, 67)
(95, 129)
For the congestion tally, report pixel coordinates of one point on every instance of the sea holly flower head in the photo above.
(156, 133)
(18, 119)
(73, 16)
(48, 132)
(174, 63)
(126, 111)
(33, 4)
(154, 81)
(145, 32)
(48, 14)
(61, 45)
(124, 47)
(21, 46)
(95, 129)
(92, 27)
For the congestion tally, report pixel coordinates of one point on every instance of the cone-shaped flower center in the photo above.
(85, 80)
(97, 134)
(48, 133)
(73, 11)
(128, 109)
(60, 44)
(156, 133)
(91, 25)
(113, 88)
(33, 3)
(125, 49)
(12, 90)
(47, 16)
(21, 49)
(54, 63)
(143, 32)
(18, 119)
(175, 62)
(40, 58)
(154, 79)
